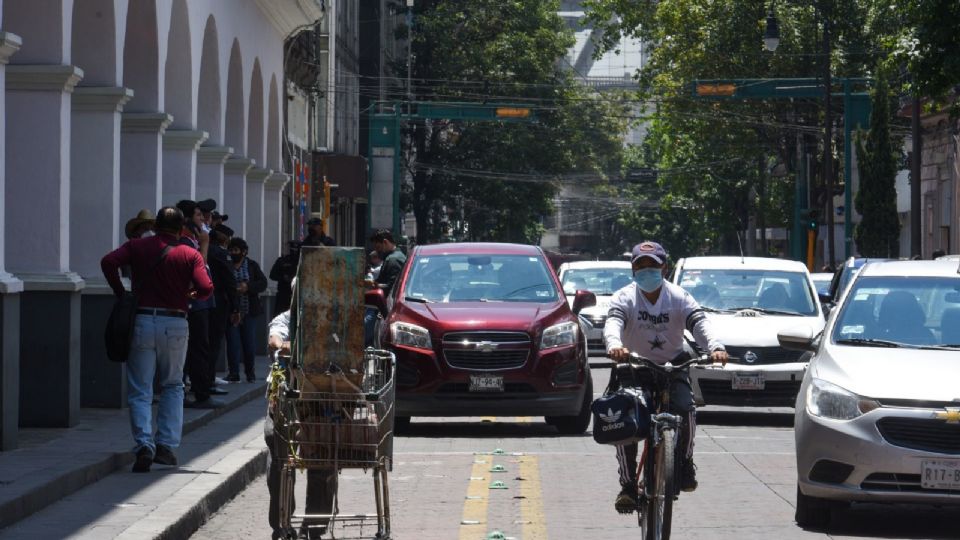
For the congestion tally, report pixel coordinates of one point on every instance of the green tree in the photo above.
(877, 234)
(497, 180)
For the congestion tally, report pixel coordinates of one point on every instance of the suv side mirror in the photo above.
(583, 299)
(798, 339)
(825, 298)
(376, 299)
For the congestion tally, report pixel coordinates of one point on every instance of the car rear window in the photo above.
(480, 278)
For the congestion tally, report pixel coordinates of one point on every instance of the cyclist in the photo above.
(648, 317)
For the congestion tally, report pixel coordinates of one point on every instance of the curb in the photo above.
(73, 480)
(200, 512)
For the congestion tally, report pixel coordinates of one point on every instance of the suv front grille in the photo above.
(764, 355)
(927, 434)
(484, 351)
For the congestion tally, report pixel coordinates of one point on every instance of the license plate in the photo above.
(748, 381)
(486, 383)
(940, 474)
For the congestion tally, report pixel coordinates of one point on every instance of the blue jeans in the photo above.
(159, 347)
(241, 341)
(369, 326)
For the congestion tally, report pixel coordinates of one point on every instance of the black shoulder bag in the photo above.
(118, 335)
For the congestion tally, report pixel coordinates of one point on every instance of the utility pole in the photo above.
(409, 49)
(828, 179)
(916, 234)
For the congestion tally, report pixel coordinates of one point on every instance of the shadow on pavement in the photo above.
(481, 430)
(869, 520)
(744, 418)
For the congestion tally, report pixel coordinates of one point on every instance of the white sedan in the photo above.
(878, 414)
(602, 278)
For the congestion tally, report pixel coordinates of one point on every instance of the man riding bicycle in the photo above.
(648, 317)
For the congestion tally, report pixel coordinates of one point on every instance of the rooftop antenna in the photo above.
(739, 243)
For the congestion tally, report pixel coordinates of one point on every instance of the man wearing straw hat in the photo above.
(140, 226)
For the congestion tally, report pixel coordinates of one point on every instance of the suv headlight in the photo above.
(410, 335)
(559, 335)
(828, 400)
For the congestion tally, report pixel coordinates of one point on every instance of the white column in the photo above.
(273, 215)
(235, 192)
(256, 178)
(38, 166)
(9, 285)
(210, 160)
(180, 164)
(140, 163)
(95, 177)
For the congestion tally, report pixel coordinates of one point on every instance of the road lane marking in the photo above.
(524, 419)
(488, 418)
(474, 520)
(531, 505)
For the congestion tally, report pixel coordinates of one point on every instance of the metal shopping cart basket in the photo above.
(347, 427)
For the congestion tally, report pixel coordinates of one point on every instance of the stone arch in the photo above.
(273, 127)
(141, 57)
(209, 112)
(94, 42)
(178, 72)
(234, 130)
(255, 116)
(44, 26)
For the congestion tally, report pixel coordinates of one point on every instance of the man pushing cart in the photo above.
(330, 401)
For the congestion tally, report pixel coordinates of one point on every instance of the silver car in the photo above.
(878, 413)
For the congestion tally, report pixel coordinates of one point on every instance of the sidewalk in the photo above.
(41, 482)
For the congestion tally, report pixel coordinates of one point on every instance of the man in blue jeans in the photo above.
(165, 276)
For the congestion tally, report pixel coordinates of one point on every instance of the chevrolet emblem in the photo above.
(486, 346)
(950, 416)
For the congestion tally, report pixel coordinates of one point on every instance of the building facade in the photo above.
(112, 106)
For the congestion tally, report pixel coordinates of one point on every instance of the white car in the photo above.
(602, 278)
(878, 415)
(749, 300)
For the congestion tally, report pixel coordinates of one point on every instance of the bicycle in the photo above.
(657, 485)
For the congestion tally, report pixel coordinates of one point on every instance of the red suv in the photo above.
(485, 329)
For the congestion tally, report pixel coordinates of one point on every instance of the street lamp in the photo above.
(771, 35)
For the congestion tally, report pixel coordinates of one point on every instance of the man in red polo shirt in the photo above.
(164, 288)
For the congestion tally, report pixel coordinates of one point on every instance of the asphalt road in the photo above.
(562, 487)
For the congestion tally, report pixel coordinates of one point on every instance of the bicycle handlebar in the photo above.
(669, 367)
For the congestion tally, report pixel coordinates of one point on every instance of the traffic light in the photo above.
(813, 220)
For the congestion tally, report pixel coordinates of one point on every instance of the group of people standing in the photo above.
(195, 288)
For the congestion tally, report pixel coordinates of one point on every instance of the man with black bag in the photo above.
(165, 277)
(648, 317)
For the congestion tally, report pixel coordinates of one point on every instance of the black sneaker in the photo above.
(688, 476)
(251, 378)
(144, 459)
(165, 456)
(626, 502)
(232, 378)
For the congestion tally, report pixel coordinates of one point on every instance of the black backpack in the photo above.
(620, 416)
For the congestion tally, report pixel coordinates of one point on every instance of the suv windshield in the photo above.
(735, 289)
(480, 278)
(605, 281)
(906, 311)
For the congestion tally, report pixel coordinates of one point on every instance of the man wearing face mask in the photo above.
(648, 317)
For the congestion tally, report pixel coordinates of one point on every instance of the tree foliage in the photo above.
(877, 234)
(497, 180)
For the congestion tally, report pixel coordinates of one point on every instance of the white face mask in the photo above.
(148, 234)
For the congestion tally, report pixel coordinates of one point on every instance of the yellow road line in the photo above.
(473, 525)
(531, 505)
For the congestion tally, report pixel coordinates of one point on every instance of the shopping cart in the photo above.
(348, 427)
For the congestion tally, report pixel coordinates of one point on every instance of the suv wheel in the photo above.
(812, 512)
(576, 425)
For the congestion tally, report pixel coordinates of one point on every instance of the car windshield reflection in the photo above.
(599, 281)
(913, 312)
(774, 292)
(474, 278)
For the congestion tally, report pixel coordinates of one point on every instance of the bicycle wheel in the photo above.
(664, 488)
